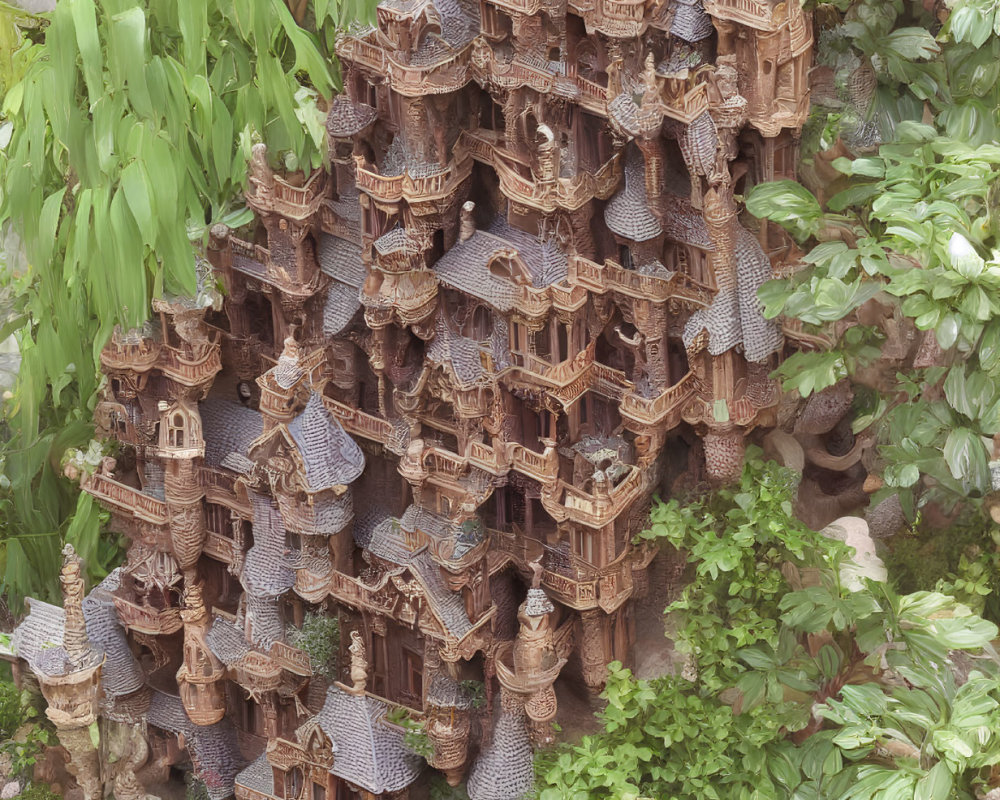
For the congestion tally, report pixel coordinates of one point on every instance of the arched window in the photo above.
(293, 783)
(177, 430)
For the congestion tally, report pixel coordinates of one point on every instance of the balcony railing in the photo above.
(126, 498)
(146, 619)
(612, 276)
(361, 51)
(219, 547)
(193, 370)
(291, 659)
(358, 423)
(294, 202)
(137, 357)
(752, 13)
(447, 75)
(654, 410)
(607, 587)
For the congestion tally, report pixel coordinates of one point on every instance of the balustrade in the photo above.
(146, 619)
(749, 12)
(357, 422)
(126, 498)
(191, 370)
(219, 547)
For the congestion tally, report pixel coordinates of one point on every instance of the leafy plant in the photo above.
(415, 736)
(130, 125)
(319, 637)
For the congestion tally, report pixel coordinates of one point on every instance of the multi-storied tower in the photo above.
(447, 376)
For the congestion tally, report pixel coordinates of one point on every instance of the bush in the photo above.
(38, 791)
(11, 710)
(319, 638)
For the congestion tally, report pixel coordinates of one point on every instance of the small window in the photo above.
(444, 505)
(293, 784)
(319, 792)
(414, 673)
(582, 542)
(379, 664)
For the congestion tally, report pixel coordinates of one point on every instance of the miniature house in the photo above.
(443, 385)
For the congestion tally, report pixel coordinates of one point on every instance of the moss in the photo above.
(319, 638)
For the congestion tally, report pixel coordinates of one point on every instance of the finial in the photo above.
(359, 664)
(71, 577)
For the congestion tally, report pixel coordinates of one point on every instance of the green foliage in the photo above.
(130, 128)
(22, 733)
(194, 788)
(319, 637)
(834, 693)
(738, 538)
(440, 790)
(476, 690)
(414, 733)
(38, 791)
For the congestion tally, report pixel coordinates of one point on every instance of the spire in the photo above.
(71, 577)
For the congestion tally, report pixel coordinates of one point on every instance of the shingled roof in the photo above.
(370, 752)
(266, 572)
(690, 22)
(735, 317)
(627, 214)
(121, 674)
(341, 260)
(466, 267)
(226, 642)
(504, 770)
(347, 118)
(213, 748)
(42, 630)
(228, 428)
(331, 457)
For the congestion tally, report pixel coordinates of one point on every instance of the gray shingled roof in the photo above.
(41, 631)
(333, 513)
(228, 428)
(505, 769)
(460, 539)
(698, 142)
(330, 456)
(627, 214)
(690, 22)
(121, 674)
(544, 260)
(226, 641)
(213, 748)
(259, 776)
(462, 354)
(341, 260)
(446, 692)
(735, 317)
(347, 118)
(370, 753)
(466, 267)
(388, 543)
(265, 572)
(537, 603)
(266, 626)
(342, 303)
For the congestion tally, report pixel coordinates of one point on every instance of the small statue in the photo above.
(359, 664)
(536, 573)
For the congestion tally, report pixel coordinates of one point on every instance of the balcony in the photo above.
(593, 509)
(752, 13)
(146, 619)
(440, 77)
(254, 261)
(611, 276)
(620, 19)
(362, 51)
(191, 369)
(293, 202)
(589, 587)
(412, 188)
(664, 409)
(520, 185)
(138, 355)
(291, 659)
(258, 672)
(220, 548)
(127, 499)
(566, 380)
(358, 423)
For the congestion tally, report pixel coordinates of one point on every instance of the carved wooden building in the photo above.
(441, 389)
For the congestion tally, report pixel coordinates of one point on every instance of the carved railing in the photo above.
(358, 423)
(352, 48)
(258, 671)
(219, 547)
(487, 458)
(138, 357)
(542, 467)
(146, 619)
(593, 96)
(526, 7)
(752, 13)
(191, 370)
(590, 587)
(653, 410)
(346, 589)
(383, 189)
(447, 75)
(532, 302)
(613, 276)
(291, 659)
(125, 498)
(572, 503)
(444, 462)
(414, 188)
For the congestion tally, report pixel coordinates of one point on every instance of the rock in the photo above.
(10, 791)
(864, 563)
